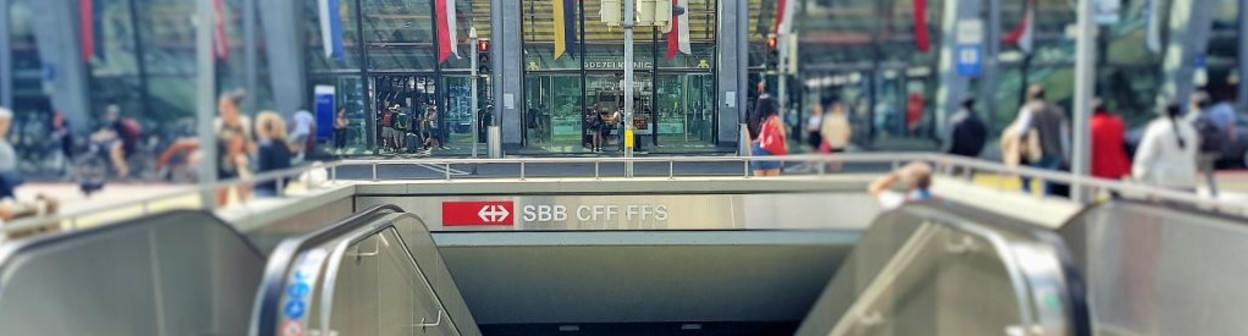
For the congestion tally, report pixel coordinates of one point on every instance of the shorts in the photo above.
(758, 151)
(389, 132)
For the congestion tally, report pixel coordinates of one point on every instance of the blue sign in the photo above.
(326, 107)
(969, 60)
(295, 309)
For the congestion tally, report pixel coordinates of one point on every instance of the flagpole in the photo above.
(476, 137)
(629, 23)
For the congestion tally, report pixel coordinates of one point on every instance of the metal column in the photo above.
(1085, 84)
(250, 55)
(1243, 55)
(205, 94)
(992, 56)
(508, 70)
(58, 37)
(6, 56)
(731, 64)
(1190, 23)
(285, 51)
(476, 127)
(953, 86)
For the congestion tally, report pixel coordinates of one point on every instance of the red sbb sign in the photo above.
(478, 213)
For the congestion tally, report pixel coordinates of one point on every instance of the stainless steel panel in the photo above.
(1157, 271)
(926, 270)
(182, 273)
(683, 212)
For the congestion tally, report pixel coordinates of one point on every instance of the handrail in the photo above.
(268, 299)
(944, 165)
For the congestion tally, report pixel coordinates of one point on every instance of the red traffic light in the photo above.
(772, 42)
(483, 45)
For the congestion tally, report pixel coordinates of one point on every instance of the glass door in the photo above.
(685, 111)
(553, 116)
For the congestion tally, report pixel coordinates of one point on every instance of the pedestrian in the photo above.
(768, 136)
(10, 179)
(341, 123)
(814, 126)
(234, 146)
(915, 178)
(597, 127)
(275, 152)
(835, 131)
(967, 132)
(1109, 150)
(1216, 128)
(63, 141)
(1051, 128)
(1167, 153)
(302, 133)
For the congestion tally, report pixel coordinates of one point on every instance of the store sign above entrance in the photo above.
(597, 65)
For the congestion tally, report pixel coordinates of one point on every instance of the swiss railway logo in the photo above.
(478, 213)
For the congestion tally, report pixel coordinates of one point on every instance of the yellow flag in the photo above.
(560, 31)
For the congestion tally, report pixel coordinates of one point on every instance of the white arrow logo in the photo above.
(493, 213)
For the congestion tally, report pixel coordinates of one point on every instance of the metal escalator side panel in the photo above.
(928, 270)
(266, 307)
(1161, 270)
(175, 273)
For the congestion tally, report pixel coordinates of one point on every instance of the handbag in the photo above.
(771, 140)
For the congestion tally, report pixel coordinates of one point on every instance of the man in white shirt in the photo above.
(302, 129)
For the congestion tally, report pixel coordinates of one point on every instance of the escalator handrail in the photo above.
(269, 295)
(957, 217)
(1076, 288)
(10, 250)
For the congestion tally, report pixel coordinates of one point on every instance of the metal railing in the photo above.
(943, 165)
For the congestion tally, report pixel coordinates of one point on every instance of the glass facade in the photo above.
(863, 52)
(674, 98)
(391, 59)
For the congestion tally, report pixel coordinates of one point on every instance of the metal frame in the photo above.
(943, 165)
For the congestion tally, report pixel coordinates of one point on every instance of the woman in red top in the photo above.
(1109, 152)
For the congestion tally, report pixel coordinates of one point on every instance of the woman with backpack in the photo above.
(1167, 154)
(767, 136)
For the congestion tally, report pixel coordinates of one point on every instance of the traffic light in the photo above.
(483, 46)
(772, 42)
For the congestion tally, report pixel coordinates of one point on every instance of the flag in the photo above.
(1152, 39)
(331, 29)
(86, 23)
(784, 16)
(220, 41)
(448, 37)
(678, 38)
(1024, 35)
(565, 26)
(922, 36)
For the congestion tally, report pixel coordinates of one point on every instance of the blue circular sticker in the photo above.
(298, 290)
(295, 309)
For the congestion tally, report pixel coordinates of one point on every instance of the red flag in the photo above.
(678, 38)
(86, 17)
(220, 41)
(1023, 35)
(781, 7)
(922, 37)
(447, 38)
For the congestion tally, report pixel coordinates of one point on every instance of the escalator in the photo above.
(375, 273)
(176, 273)
(923, 269)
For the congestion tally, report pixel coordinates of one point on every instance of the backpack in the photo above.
(1212, 139)
(771, 139)
(132, 128)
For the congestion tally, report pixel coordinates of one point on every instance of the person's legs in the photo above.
(118, 155)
